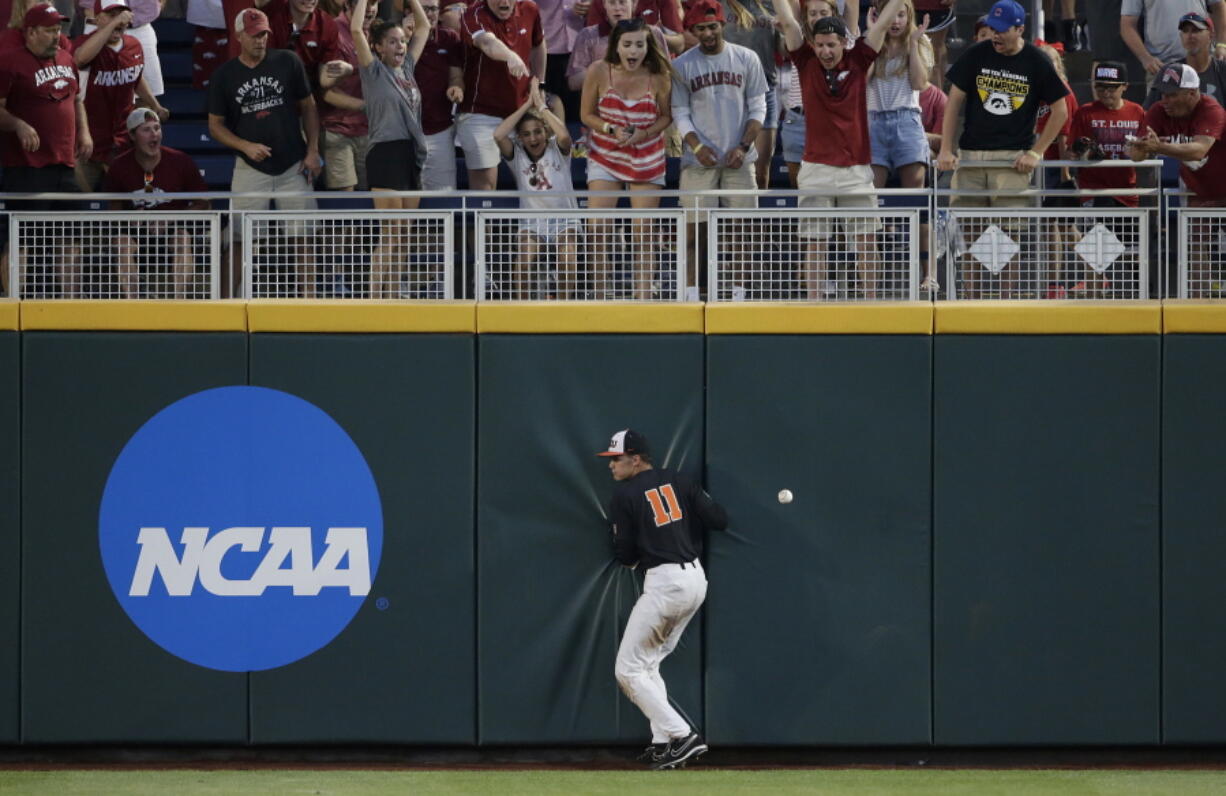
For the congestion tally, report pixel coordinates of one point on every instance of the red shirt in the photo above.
(837, 134)
(932, 108)
(42, 92)
(488, 86)
(1070, 102)
(229, 10)
(1207, 177)
(176, 172)
(111, 93)
(653, 12)
(339, 120)
(316, 42)
(443, 50)
(1108, 128)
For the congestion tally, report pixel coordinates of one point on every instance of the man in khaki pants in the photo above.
(1001, 82)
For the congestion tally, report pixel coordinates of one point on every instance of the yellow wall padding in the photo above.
(588, 318)
(135, 316)
(1193, 317)
(757, 318)
(356, 316)
(1049, 317)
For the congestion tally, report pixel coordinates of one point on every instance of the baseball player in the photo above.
(657, 518)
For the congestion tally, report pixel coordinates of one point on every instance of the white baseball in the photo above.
(785, 496)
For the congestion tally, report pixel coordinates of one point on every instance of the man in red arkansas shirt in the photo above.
(504, 46)
(43, 128)
(116, 65)
(1188, 126)
(833, 90)
(149, 171)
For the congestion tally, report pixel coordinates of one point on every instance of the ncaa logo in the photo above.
(241, 528)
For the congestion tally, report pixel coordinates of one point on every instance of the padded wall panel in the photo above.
(10, 535)
(551, 600)
(1193, 539)
(818, 616)
(403, 670)
(89, 675)
(1046, 540)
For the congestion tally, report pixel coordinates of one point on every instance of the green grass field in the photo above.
(975, 782)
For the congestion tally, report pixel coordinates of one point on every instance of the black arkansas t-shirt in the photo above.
(261, 105)
(1003, 95)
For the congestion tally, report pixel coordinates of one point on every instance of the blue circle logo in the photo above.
(241, 529)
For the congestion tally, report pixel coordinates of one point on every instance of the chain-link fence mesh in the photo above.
(1046, 254)
(119, 255)
(814, 255)
(379, 255)
(577, 255)
(1202, 264)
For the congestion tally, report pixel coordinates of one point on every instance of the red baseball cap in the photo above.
(251, 21)
(703, 11)
(42, 15)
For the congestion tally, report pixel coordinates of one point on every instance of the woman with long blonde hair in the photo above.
(895, 123)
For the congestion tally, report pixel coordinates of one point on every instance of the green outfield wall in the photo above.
(1007, 526)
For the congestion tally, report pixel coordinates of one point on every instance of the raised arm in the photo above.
(89, 49)
(793, 36)
(560, 133)
(361, 47)
(502, 133)
(917, 65)
(421, 31)
(879, 24)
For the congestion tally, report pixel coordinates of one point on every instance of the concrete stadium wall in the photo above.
(1007, 527)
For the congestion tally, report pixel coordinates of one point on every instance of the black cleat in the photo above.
(652, 753)
(678, 752)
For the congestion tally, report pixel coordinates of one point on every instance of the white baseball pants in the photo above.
(672, 594)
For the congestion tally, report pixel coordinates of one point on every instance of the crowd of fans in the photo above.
(307, 90)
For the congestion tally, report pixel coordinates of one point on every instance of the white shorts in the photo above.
(475, 135)
(702, 179)
(148, 39)
(247, 179)
(438, 172)
(549, 229)
(854, 186)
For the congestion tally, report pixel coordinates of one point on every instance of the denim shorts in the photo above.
(772, 109)
(897, 137)
(792, 135)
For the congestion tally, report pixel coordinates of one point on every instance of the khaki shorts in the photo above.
(344, 161)
(969, 177)
(854, 184)
(701, 178)
(438, 172)
(475, 135)
(247, 179)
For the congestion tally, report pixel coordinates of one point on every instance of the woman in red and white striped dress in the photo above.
(626, 109)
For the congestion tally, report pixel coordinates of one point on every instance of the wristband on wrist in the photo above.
(1220, 45)
(1034, 154)
(701, 146)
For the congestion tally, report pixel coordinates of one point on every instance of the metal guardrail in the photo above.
(480, 245)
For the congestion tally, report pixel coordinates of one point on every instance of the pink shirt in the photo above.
(561, 24)
(143, 11)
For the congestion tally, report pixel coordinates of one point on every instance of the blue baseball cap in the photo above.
(1006, 14)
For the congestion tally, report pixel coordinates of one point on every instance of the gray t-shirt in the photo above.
(712, 95)
(1161, 32)
(393, 105)
(760, 37)
(1212, 84)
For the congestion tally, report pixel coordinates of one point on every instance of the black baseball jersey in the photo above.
(658, 516)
